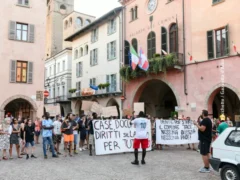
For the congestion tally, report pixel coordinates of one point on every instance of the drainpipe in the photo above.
(184, 47)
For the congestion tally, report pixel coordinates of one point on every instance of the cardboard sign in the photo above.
(87, 92)
(97, 108)
(116, 136)
(127, 112)
(173, 132)
(237, 118)
(39, 95)
(86, 105)
(53, 110)
(109, 111)
(138, 107)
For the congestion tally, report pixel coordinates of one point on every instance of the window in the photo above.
(134, 13)
(79, 22)
(58, 91)
(222, 42)
(126, 52)
(63, 66)
(63, 7)
(93, 82)
(81, 52)
(70, 22)
(50, 93)
(216, 1)
(86, 49)
(111, 50)
(233, 139)
(135, 44)
(164, 39)
(79, 69)
(58, 67)
(112, 26)
(78, 88)
(112, 80)
(173, 38)
(63, 90)
(23, 2)
(76, 54)
(66, 24)
(94, 57)
(94, 36)
(210, 44)
(21, 72)
(22, 32)
(87, 22)
(151, 44)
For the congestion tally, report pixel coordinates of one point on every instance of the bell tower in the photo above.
(57, 11)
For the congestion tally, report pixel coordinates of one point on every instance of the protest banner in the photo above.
(53, 110)
(127, 112)
(97, 108)
(86, 105)
(138, 107)
(174, 132)
(116, 136)
(109, 111)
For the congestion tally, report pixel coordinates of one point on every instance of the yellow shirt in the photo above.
(222, 117)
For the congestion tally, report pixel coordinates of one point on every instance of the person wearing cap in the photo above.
(141, 136)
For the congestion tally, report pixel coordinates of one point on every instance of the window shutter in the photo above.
(96, 57)
(109, 27)
(91, 57)
(30, 73)
(77, 69)
(108, 81)
(94, 81)
(227, 41)
(115, 25)
(81, 69)
(13, 65)
(92, 36)
(20, 2)
(114, 49)
(177, 37)
(114, 86)
(97, 34)
(91, 82)
(31, 33)
(12, 30)
(210, 45)
(108, 51)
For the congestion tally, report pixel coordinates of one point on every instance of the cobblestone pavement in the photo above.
(173, 163)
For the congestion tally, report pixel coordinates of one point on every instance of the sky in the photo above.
(95, 7)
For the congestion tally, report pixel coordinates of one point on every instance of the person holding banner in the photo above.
(141, 137)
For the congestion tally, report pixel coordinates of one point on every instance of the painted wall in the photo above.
(17, 50)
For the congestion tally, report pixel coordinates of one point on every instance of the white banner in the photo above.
(115, 136)
(174, 132)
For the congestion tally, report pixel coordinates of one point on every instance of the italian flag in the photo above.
(234, 47)
(190, 57)
(134, 58)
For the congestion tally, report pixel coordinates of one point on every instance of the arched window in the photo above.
(126, 52)
(132, 14)
(66, 24)
(135, 44)
(76, 54)
(79, 22)
(86, 49)
(164, 39)
(70, 22)
(173, 38)
(81, 52)
(136, 12)
(63, 9)
(151, 44)
(87, 22)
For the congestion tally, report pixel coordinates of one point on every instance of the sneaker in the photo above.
(143, 162)
(135, 162)
(84, 149)
(27, 157)
(45, 157)
(32, 156)
(90, 154)
(80, 149)
(55, 156)
(58, 153)
(75, 152)
(204, 170)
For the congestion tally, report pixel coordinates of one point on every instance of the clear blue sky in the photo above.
(95, 7)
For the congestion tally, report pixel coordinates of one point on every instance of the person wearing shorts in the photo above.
(141, 137)
(67, 127)
(57, 134)
(29, 138)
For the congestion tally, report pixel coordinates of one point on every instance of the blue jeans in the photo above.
(48, 140)
(75, 139)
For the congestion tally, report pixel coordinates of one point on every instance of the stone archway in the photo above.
(26, 98)
(160, 100)
(113, 102)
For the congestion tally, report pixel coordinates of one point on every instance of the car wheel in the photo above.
(229, 172)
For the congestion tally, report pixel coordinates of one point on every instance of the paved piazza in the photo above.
(173, 163)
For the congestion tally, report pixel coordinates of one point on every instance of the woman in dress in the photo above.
(5, 132)
(23, 124)
(14, 138)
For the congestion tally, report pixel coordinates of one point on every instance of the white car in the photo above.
(226, 154)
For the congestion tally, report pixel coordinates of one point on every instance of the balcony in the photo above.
(60, 99)
(158, 64)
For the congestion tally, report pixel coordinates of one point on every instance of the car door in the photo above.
(233, 142)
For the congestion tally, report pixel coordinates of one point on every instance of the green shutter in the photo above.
(210, 44)
(12, 30)
(31, 32)
(91, 57)
(13, 67)
(30, 73)
(226, 50)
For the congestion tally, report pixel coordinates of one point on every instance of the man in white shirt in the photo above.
(57, 134)
(141, 137)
